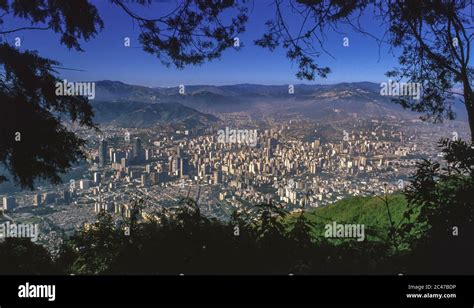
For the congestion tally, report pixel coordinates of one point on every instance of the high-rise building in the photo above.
(154, 178)
(111, 154)
(9, 203)
(117, 157)
(268, 153)
(37, 200)
(271, 143)
(144, 180)
(124, 163)
(103, 153)
(183, 167)
(97, 178)
(174, 166)
(217, 177)
(66, 195)
(135, 174)
(137, 150)
(84, 184)
(49, 198)
(148, 154)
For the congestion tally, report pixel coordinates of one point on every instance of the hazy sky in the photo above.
(105, 56)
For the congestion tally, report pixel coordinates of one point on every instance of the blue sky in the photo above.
(105, 57)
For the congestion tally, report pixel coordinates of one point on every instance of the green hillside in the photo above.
(369, 211)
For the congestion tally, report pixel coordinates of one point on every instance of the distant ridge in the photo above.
(312, 101)
(141, 115)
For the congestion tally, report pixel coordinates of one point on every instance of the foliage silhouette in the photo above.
(443, 196)
(181, 240)
(20, 256)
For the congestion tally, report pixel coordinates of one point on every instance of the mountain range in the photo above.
(142, 114)
(125, 104)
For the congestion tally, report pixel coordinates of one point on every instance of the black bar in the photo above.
(139, 291)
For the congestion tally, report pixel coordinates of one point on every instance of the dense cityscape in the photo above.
(298, 164)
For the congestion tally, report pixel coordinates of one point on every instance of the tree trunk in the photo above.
(470, 115)
(469, 103)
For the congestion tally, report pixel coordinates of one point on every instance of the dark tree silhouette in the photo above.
(32, 128)
(434, 38)
(181, 240)
(31, 131)
(20, 256)
(443, 195)
(95, 246)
